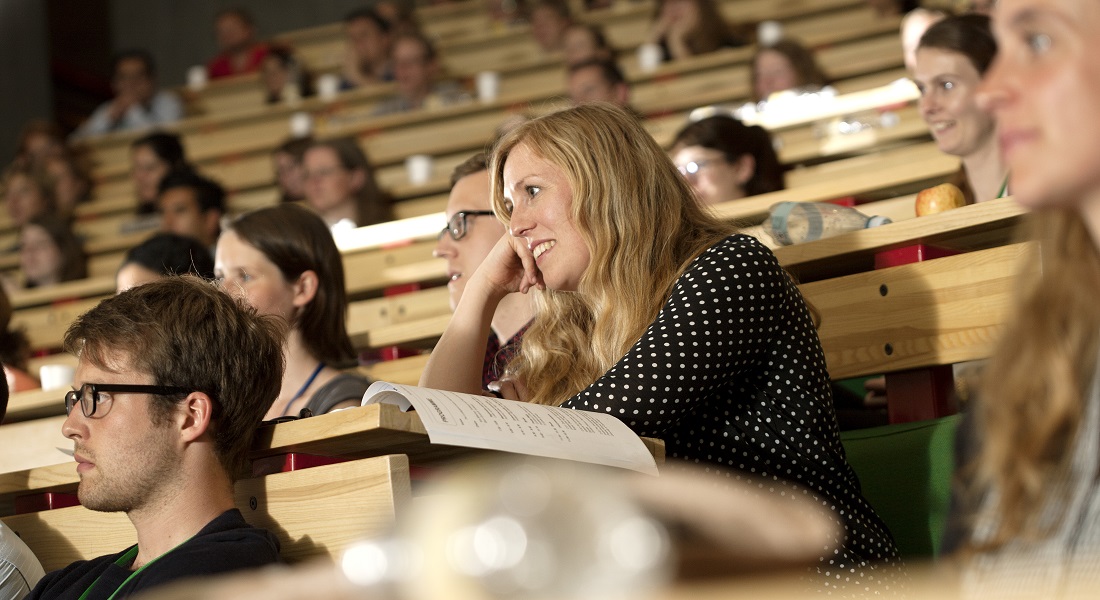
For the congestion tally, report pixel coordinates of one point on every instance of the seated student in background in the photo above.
(686, 28)
(28, 193)
(290, 174)
(283, 261)
(283, 77)
(649, 309)
(598, 80)
(151, 158)
(137, 103)
(952, 57)
(583, 42)
(172, 378)
(415, 70)
(50, 253)
(471, 232)
(785, 65)
(191, 205)
(340, 185)
(15, 351)
(1032, 482)
(549, 19)
(19, 567)
(164, 255)
(38, 140)
(369, 42)
(723, 159)
(70, 182)
(239, 50)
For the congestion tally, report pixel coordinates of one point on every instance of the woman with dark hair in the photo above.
(282, 260)
(70, 182)
(163, 255)
(785, 65)
(39, 140)
(283, 76)
(723, 159)
(583, 42)
(290, 176)
(50, 253)
(689, 27)
(951, 59)
(28, 193)
(151, 158)
(340, 185)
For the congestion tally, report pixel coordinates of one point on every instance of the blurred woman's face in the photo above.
(774, 73)
(328, 184)
(146, 171)
(1042, 89)
(274, 75)
(713, 178)
(948, 83)
(67, 188)
(39, 257)
(579, 45)
(24, 199)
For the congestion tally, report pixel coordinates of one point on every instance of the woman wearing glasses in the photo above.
(469, 236)
(649, 309)
(282, 260)
(723, 159)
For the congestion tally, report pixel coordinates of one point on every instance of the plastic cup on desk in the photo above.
(328, 86)
(649, 57)
(488, 86)
(419, 168)
(769, 32)
(301, 124)
(196, 77)
(56, 376)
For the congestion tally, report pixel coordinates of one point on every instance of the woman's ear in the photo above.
(745, 168)
(305, 288)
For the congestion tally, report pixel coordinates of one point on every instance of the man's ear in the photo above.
(197, 411)
(305, 288)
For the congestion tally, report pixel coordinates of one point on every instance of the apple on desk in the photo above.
(938, 199)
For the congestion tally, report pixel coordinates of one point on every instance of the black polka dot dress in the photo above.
(731, 376)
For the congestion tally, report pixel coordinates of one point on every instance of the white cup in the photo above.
(488, 86)
(328, 86)
(649, 57)
(56, 376)
(419, 168)
(301, 125)
(196, 77)
(768, 33)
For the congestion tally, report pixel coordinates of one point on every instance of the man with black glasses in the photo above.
(173, 378)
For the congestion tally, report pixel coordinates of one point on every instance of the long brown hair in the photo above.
(372, 204)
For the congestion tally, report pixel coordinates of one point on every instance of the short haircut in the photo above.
(368, 14)
(171, 254)
(607, 67)
(475, 164)
(208, 194)
(295, 147)
(167, 147)
(184, 332)
(135, 54)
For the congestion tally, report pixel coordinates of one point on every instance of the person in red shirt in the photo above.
(240, 51)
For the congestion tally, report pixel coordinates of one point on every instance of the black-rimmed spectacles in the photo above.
(457, 225)
(88, 394)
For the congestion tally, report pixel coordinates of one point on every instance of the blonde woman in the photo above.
(650, 310)
(1039, 422)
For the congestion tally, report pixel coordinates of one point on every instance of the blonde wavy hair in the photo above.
(641, 224)
(1035, 387)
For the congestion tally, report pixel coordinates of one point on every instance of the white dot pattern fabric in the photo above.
(731, 376)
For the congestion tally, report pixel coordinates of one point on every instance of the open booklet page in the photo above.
(510, 426)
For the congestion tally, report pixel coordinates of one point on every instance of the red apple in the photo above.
(938, 199)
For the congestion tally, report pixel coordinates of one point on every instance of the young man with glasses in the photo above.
(470, 234)
(173, 378)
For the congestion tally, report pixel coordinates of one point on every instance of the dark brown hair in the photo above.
(15, 348)
(802, 61)
(187, 333)
(712, 33)
(734, 139)
(372, 204)
(475, 164)
(296, 240)
(969, 35)
(74, 262)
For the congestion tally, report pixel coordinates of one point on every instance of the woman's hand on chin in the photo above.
(509, 267)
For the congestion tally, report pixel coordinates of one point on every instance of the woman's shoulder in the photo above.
(733, 247)
(342, 387)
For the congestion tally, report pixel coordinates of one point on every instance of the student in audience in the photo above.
(597, 80)
(369, 42)
(650, 309)
(49, 252)
(686, 28)
(239, 50)
(549, 19)
(137, 103)
(39, 140)
(164, 255)
(283, 261)
(723, 159)
(151, 158)
(283, 77)
(893, 8)
(71, 183)
(28, 193)
(192, 371)
(951, 59)
(583, 42)
(19, 567)
(1035, 533)
(469, 236)
(340, 185)
(913, 26)
(415, 69)
(785, 65)
(15, 351)
(191, 205)
(290, 173)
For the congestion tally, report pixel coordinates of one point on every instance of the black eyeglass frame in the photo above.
(79, 395)
(457, 223)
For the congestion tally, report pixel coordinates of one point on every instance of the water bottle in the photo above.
(797, 222)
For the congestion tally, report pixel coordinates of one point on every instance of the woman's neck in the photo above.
(985, 171)
(513, 312)
(300, 364)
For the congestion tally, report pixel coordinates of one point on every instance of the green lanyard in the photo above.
(1004, 189)
(123, 560)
